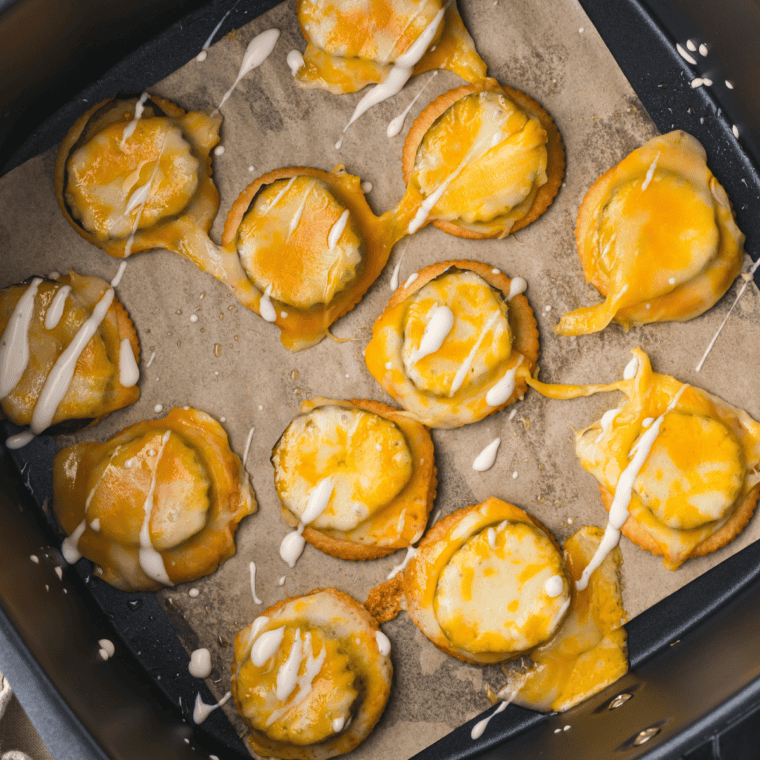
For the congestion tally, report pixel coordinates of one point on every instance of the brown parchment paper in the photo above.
(230, 363)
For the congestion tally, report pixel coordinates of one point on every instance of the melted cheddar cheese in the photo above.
(355, 43)
(657, 237)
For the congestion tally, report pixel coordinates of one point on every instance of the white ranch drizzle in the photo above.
(299, 211)
(294, 61)
(607, 419)
(70, 545)
(479, 728)
(649, 174)
(397, 124)
(139, 108)
(383, 643)
(256, 626)
(618, 512)
(200, 663)
(55, 310)
(747, 279)
(686, 56)
(631, 369)
(517, 286)
(399, 75)
(201, 711)
(491, 535)
(19, 440)
(95, 525)
(337, 230)
(129, 372)
(137, 198)
(14, 345)
(337, 724)
(151, 561)
(438, 327)
(252, 570)
(248, 445)
(501, 391)
(266, 309)
(412, 277)
(278, 197)
(207, 44)
(410, 552)
(465, 368)
(554, 585)
(292, 545)
(266, 646)
(486, 459)
(258, 50)
(287, 675)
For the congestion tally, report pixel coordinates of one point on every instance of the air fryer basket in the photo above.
(695, 664)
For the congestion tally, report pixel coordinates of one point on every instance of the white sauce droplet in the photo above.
(686, 56)
(516, 287)
(735, 130)
(690, 44)
(479, 728)
(337, 230)
(287, 675)
(294, 61)
(399, 75)
(366, 188)
(95, 525)
(649, 174)
(438, 327)
(412, 277)
(150, 361)
(281, 581)
(70, 545)
(201, 711)
(501, 392)
(194, 593)
(397, 124)
(703, 50)
(129, 372)
(394, 278)
(485, 460)
(19, 440)
(59, 572)
(106, 645)
(383, 643)
(337, 724)
(266, 646)
(207, 44)
(258, 50)
(252, 570)
(410, 552)
(266, 309)
(618, 512)
(14, 345)
(631, 369)
(292, 547)
(200, 663)
(248, 445)
(607, 419)
(55, 310)
(34, 559)
(554, 586)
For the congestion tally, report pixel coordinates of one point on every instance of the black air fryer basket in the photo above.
(693, 691)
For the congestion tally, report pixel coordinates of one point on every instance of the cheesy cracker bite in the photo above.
(656, 237)
(378, 465)
(455, 343)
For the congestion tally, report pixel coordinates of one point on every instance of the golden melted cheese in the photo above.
(284, 242)
(365, 456)
(480, 337)
(589, 651)
(490, 158)
(491, 596)
(117, 184)
(698, 484)
(657, 237)
(353, 43)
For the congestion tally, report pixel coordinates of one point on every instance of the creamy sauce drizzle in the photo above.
(399, 75)
(55, 310)
(337, 230)
(412, 277)
(650, 173)
(292, 545)
(410, 552)
(747, 281)
(501, 391)
(623, 492)
(200, 663)
(383, 643)
(397, 124)
(14, 345)
(516, 287)
(266, 309)
(248, 445)
(288, 673)
(631, 369)
(129, 130)
(207, 44)
(436, 330)
(266, 646)
(394, 278)
(129, 372)
(201, 711)
(252, 570)
(486, 459)
(607, 419)
(554, 586)
(479, 728)
(258, 50)
(151, 561)
(465, 368)
(19, 440)
(294, 61)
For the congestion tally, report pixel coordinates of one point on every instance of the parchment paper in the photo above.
(549, 49)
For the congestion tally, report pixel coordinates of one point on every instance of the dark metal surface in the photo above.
(698, 693)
